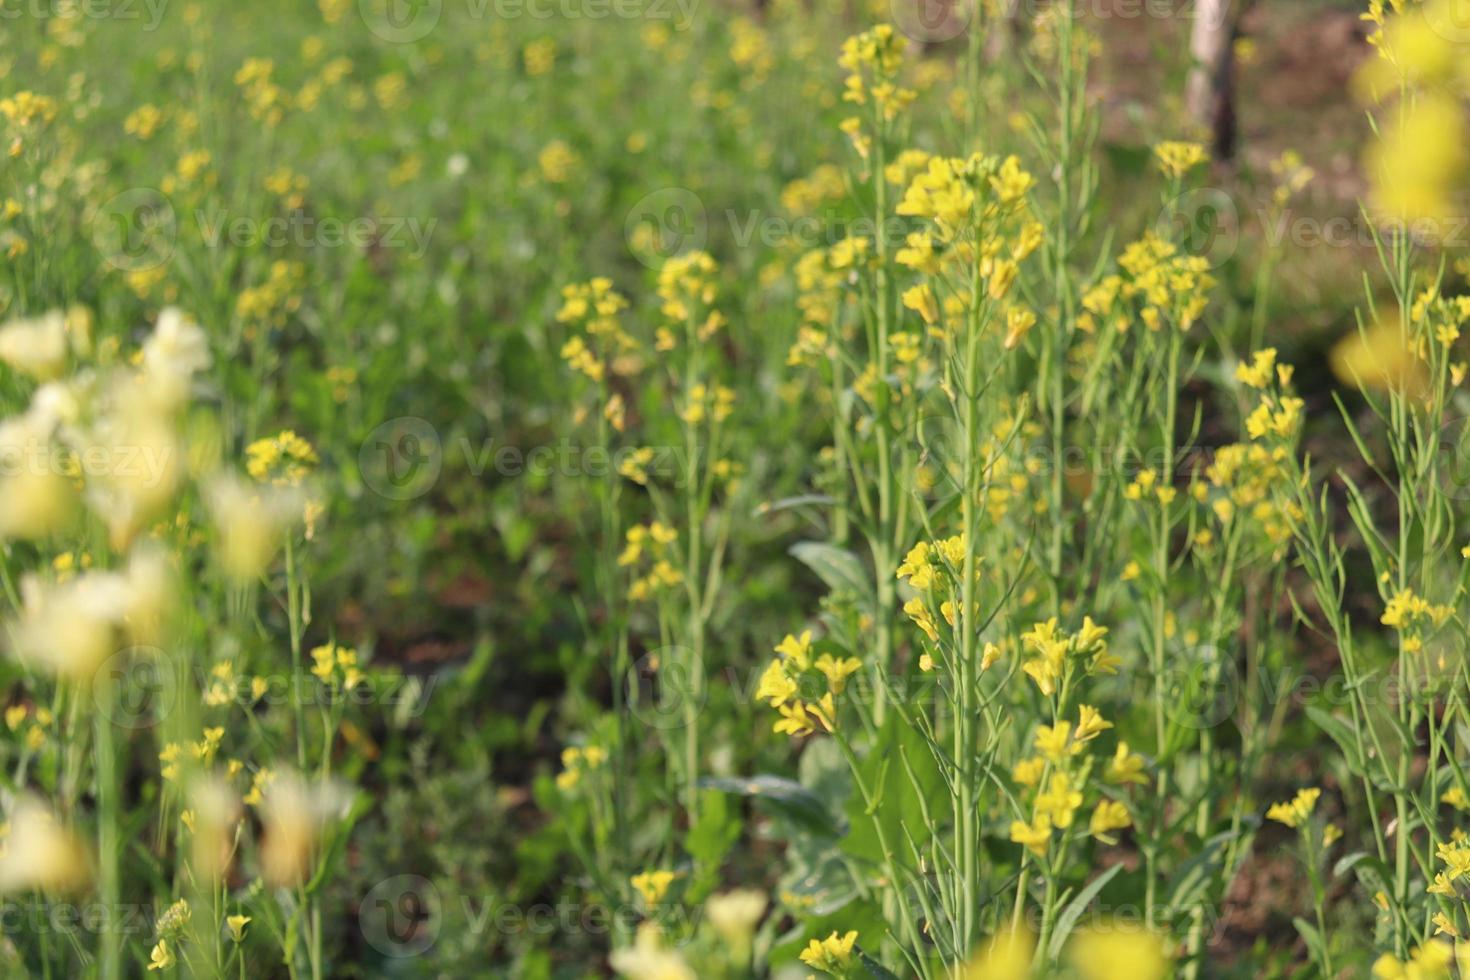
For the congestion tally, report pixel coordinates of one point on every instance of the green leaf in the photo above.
(1313, 938)
(865, 917)
(789, 503)
(1195, 875)
(713, 833)
(1347, 862)
(1341, 733)
(945, 509)
(897, 770)
(1371, 873)
(876, 969)
(786, 796)
(841, 570)
(823, 770)
(1068, 919)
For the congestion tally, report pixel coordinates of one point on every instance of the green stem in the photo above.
(1160, 615)
(298, 676)
(694, 578)
(885, 543)
(109, 817)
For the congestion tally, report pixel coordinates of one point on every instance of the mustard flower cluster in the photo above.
(594, 308)
(651, 548)
(1057, 782)
(1055, 657)
(1418, 162)
(873, 60)
(792, 679)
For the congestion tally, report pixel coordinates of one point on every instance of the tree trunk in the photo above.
(1005, 32)
(1209, 94)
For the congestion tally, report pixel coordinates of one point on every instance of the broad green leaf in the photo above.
(788, 503)
(1194, 876)
(1312, 936)
(897, 770)
(786, 796)
(709, 839)
(839, 569)
(1341, 733)
(876, 969)
(1068, 919)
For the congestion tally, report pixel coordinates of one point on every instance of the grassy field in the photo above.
(575, 488)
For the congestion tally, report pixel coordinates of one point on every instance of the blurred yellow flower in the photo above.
(1118, 952)
(1379, 357)
(1294, 812)
(649, 959)
(39, 853)
(734, 914)
(236, 925)
(1005, 956)
(295, 813)
(1419, 161)
(833, 954)
(653, 885)
(250, 523)
(1175, 158)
